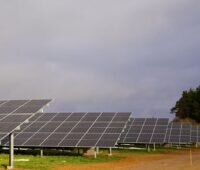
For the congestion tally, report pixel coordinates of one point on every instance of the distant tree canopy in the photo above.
(188, 106)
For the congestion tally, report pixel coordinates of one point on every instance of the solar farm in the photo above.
(25, 126)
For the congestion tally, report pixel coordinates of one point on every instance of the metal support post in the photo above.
(97, 148)
(11, 152)
(148, 148)
(110, 152)
(154, 147)
(41, 152)
(95, 153)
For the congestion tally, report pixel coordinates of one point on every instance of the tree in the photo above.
(188, 106)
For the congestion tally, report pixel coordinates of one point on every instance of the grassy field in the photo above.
(45, 162)
(159, 149)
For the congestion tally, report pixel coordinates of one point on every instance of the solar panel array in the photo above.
(86, 129)
(13, 113)
(72, 130)
(178, 133)
(195, 134)
(145, 131)
(22, 106)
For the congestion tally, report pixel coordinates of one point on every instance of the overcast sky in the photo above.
(100, 55)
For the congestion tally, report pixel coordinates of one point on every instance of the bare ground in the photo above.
(180, 160)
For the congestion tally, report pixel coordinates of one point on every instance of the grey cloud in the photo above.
(100, 55)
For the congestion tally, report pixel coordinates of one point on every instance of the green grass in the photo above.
(159, 150)
(45, 162)
(59, 158)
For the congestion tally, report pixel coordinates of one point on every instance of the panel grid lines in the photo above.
(179, 133)
(75, 130)
(56, 128)
(18, 133)
(10, 119)
(141, 131)
(21, 106)
(105, 129)
(145, 131)
(170, 133)
(71, 130)
(198, 134)
(15, 109)
(38, 129)
(88, 129)
(128, 130)
(3, 102)
(153, 130)
(30, 123)
(165, 138)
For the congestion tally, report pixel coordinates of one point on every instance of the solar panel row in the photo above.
(145, 131)
(178, 133)
(72, 130)
(195, 134)
(87, 129)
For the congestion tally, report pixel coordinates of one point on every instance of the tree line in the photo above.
(188, 106)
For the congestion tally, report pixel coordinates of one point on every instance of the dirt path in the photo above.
(171, 161)
(174, 162)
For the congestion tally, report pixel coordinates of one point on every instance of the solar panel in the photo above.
(178, 133)
(11, 122)
(22, 106)
(11, 105)
(144, 131)
(15, 103)
(1, 102)
(38, 102)
(2, 135)
(72, 130)
(195, 134)
(10, 119)
(5, 110)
